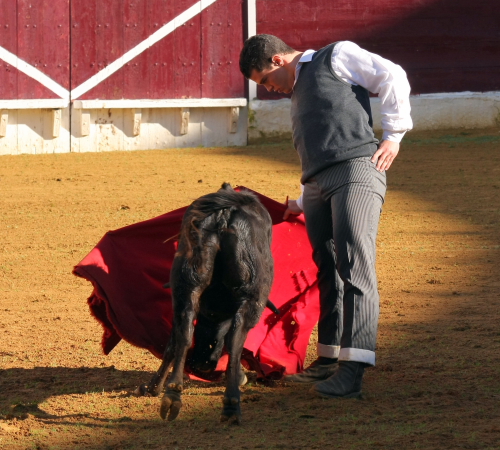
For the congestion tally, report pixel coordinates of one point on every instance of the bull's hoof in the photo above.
(142, 391)
(231, 420)
(231, 411)
(174, 387)
(170, 405)
(147, 391)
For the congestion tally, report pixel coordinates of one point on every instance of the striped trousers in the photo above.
(342, 206)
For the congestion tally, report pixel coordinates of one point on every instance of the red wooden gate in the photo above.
(193, 56)
(53, 52)
(197, 59)
(34, 49)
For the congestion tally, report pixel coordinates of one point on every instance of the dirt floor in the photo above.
(436, 384)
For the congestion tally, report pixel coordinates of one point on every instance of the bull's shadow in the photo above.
(22, 390)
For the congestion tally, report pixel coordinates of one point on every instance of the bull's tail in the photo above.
(225, 198)
(219, 204)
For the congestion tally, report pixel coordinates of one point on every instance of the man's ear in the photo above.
(277, 60)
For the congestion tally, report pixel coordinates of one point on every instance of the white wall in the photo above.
(270, 119)
(112, 129)
(30, 131)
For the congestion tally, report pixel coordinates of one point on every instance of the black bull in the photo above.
(221, 277)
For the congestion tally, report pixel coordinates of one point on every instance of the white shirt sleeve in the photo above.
(380, 76)
(300, 200)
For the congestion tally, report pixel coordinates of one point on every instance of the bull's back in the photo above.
(245, 247)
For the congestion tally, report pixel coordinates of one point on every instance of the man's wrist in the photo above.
(299, 203)
(393, 136)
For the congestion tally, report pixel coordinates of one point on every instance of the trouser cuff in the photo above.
(328, 351)
(357, 355)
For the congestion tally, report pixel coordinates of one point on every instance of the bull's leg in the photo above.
(171, 403)
(155, 386)
(209, 338)
(231, 411)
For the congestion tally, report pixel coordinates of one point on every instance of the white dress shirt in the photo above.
(378, 75)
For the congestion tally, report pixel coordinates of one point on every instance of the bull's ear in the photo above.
(226, 186)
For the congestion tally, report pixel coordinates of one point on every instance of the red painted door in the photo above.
(193, 55)
(120, 49)
(34, 35)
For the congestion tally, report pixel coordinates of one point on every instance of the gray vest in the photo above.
(331, 119)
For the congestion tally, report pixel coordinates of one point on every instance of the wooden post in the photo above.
(84, 123)
(56, 122)
(234, 115)
(137, 118)
(184, 120)
(4, 120)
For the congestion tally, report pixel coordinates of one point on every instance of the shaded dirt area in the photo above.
(436, 384)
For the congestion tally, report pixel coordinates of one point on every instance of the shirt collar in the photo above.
(307, 56)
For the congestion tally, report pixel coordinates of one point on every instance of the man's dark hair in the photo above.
(258, 51)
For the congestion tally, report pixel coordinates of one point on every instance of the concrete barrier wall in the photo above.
(36, 131)
(270, 119)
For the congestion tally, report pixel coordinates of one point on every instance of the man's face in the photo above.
(275, 78)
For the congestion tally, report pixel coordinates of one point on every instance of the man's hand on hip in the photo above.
(291, 208)
(385, 155)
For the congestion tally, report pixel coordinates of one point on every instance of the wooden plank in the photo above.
(8, 40)
(166, 103)
(48, 103)
(110, 46)
(83, 41)
(214, 54)
(44, 44)
(222, 38)
(161, 55)
(135, 30)
(235, 39)
(186, 52)
(31, 48)
(53, 32)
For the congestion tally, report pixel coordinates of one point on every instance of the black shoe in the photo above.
(314, 373)
(345, 383)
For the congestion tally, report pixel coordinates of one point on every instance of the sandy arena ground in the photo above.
(436, 384)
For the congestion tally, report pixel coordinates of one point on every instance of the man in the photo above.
(344, 184)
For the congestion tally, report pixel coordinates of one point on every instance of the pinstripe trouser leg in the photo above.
(342, 206)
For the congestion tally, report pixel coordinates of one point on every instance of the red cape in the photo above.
(129, 267)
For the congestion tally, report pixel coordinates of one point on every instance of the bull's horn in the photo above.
(270, 305)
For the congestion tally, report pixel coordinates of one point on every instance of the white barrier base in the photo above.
(270, 119)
